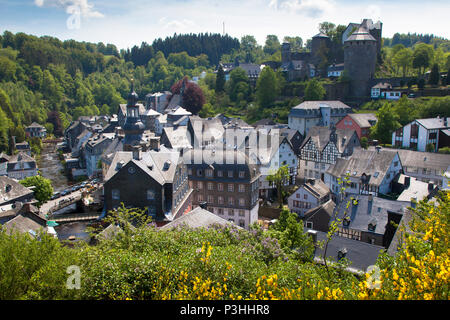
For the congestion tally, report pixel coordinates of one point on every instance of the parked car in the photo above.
(411, 95)
(56, 195)
(65, 192)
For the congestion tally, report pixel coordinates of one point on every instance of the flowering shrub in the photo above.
(224, 263)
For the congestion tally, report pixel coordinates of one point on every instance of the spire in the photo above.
(133, 96)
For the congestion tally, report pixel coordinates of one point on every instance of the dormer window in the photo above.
(342, 253)
(346, 221)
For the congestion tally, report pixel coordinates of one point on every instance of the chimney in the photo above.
(407, 182)
(155, 143)
(137, 154)
(203, 205)
(313, 235)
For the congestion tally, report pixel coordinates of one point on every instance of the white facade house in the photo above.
(335, 70)
(310, 195)
(271, 159)
(321, 149)
(385, 91)
(316, 113)
(368, 172)
(21, 166)
(419, 133)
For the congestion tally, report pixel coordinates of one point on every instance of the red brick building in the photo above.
(360, 122)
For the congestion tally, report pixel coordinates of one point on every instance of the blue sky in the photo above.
(126, 23)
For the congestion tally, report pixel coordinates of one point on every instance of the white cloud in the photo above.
(183, 25)
(86, 9)
(309, 8)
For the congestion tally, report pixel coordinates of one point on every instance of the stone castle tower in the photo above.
(360, 58)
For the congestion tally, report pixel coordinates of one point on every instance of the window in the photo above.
(242, 223)
(231, 201)
(230, 187)
(241, 188)
(220, 187)
(309, 224)
(116, 194)
(209, 172)
(150, 195)
(199, 185)
(190, 171)
(220, 173)
(210, 186)
(230, 173)
(211, 199)
(231, 212)
(200, 198)
(241, 213)
(241, 202)
(220, 200)
(241, 174)
(305, 196)
(199, 172)
(220, 211)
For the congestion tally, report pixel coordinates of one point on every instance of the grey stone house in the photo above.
(156, 181)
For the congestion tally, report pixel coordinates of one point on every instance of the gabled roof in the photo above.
(198, 218)
(11, 189)
(327, 207)
(321, 35)
(434, 123)
(35, 125)
(417, 159)
(312, 108)
(317, 188)
(382, 85)
(360, 254)
(371, 163)
(363, 119)
(366, 212)
(160, 165)
(321, 137)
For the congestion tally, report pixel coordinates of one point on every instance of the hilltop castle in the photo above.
(361, 46)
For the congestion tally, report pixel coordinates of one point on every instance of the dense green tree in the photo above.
(421, 59)
(296, 42)
(314, 91)
(266, 87)
(386, 124)
(403, 59)
(279, 179)
(434, 75)
(43, 188)
(220, 80)
(7, 69)
(272, 44)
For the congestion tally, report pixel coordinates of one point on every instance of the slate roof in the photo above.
(361, 34)
(327, 207)
(321, 35)
(35, 125)
(363, 119)
(360, 254)
(198, 218)
(434, 123)
(152, 163)
(177, 137)
(365, 212)
(312, 109)
(317, 188)
(321, 137)
(382, 85)
(369, 162)
(417, 189)
(21, 161)
(11, 189)
(430, 160)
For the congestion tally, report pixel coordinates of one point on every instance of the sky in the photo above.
(128, 23)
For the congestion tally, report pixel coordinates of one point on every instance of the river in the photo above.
(51, 167)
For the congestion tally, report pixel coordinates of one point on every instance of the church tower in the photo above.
(133, 127)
